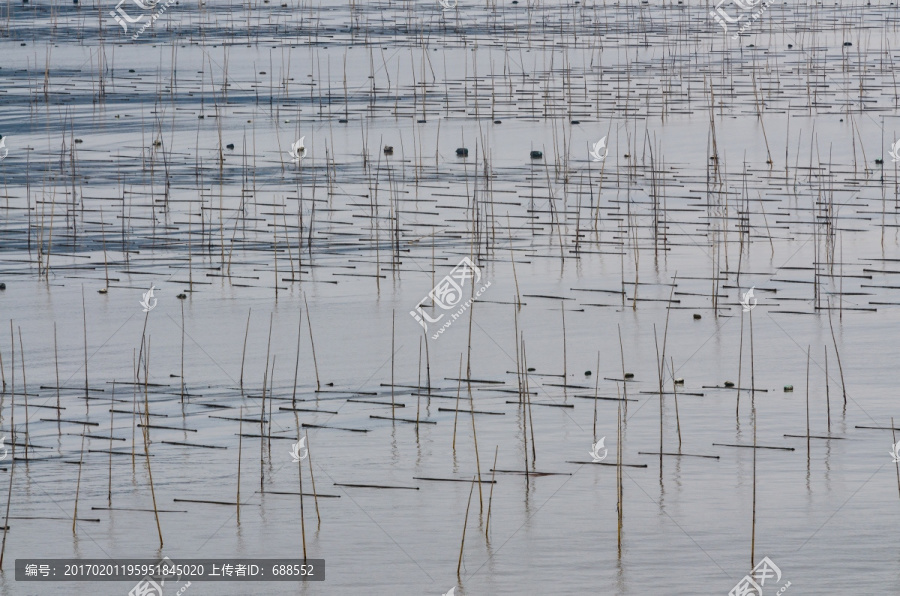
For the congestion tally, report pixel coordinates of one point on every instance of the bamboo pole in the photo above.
(675, 393)
(84, 320)
(182, 352)
(312, 477)
(302, 517)
(262, 415)
(475, 440)
(465, 523)
(828, 392)
(244, 352)
(837, 352)
(147, 440)
(619, 489)
(896, 463)
(240, 444)
(456, 412)
(56, 364)
(12, 469)
(297, 363)
(393, 404)
(807, 405)
(753, 416)
(312, 343)
(78, 483)
(25, 396)
(487, 525)
(111, 413)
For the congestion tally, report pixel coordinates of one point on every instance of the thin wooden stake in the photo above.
(302, 517)
(465, 523)
(12, 469)
(312, 343)
(84, 320)
(487, 525)
(240, 444)
(313, 479)
(244, 353)
(25, 395)
(111, 413)
(78, 483)
(458, 388)
(297, 363)
(393, 405)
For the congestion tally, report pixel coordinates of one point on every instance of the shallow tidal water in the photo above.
(180, 179)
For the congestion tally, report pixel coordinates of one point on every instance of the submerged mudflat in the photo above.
(668, 259)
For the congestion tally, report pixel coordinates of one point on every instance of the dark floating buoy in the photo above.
(420, 121)
(697, 317)
(879, 161)
(530, 370)
(181, 296)
(626, 156)
(388, 150)
(629, 375)
(679, 381)
(157, 143)
(713, 158)
(537, 154)
(103, 291)
(790, 45)
(576, 121)
(462, 152)
(2, 286)
(587, 373)
(729, 384)
(78, 141)
(130, 70)
(497, 121)
(229, 146)
(847, 44)
(343, 121)
(788, 388)
(330, 384)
